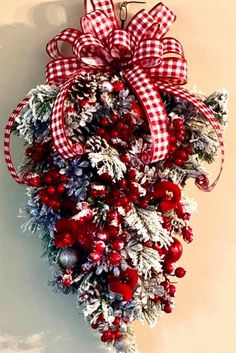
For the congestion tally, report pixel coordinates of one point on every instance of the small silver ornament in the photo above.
(68, 258)
(106, 86)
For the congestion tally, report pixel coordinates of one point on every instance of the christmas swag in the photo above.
(112, 139)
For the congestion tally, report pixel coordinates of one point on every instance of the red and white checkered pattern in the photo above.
(97, 24)
(60, 140)
(154, 109)
(164, 17)
(206, 111)
(149, 53)
(172, 46)
(60, 70)
(119, 43)
(7, 141)
(68, 35)
(171, 70)
(105, 6)
(143, 48)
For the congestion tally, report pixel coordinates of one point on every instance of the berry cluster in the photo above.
(91, 235)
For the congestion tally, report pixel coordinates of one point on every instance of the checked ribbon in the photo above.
(149, 62)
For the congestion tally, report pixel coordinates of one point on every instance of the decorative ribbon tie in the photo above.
(148, 61)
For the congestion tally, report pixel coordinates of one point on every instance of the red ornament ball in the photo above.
(175, 251)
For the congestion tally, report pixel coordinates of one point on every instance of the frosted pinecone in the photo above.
(96, 144)
(83, 87)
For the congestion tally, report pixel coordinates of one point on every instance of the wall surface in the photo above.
(33, 319)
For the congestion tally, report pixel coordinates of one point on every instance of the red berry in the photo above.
(54, 204)
(127, 208)
(95, 257)
(182, 154)
(114, 231)
(107, 336)
(178, 124)
(189, 149)
(179, 136)
(137, 109)
(60, 188)
(172, 290)
(156, 298)
(114, 117)
(63, 178)
(103, 235)
(148, 244)
(83, 103)
(55, 175)
(51, 190)
(114, 133)
(48, 179)
(165, 284)
(169, 268)
(124, 158)
(124, 200)
(179, 162)
(104, 122)
(35, 181)
(94, 326)
(132, 174)
(63, 239)
(172, 139)
(115, 259)
(167, 308)
(172, 149)
(117, 334)
(100, 131)
(123, 183)
(118, 86)
(117, 244)
(67, 281)
(180, 272)
(187, 233)
(143, 204)
(101, 317)
(133, 198)
(99, 246)
(120, 125)
(117, 321)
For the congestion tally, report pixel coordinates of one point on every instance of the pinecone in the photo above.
(95, 144)
(83, 87)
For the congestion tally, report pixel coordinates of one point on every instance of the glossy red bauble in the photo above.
(174, 251)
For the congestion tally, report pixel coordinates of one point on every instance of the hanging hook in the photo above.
(124, 10)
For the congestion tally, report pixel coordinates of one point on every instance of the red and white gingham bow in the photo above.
(147, 60)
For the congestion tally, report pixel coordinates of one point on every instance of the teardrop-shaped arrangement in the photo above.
(113, 217)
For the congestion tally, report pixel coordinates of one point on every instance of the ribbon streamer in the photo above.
(148, 61)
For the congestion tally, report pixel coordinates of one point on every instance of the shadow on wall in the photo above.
(33, 318)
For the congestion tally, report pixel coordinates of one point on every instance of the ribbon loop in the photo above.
(90, 51)
(97, 24)
(148, 61)
(149, 53)
(164, 17)
(120, 44)
(69, 36)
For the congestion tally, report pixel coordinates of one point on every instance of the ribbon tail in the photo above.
(208, 113)
(7, 140)
(60, 140)
(150, 99)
